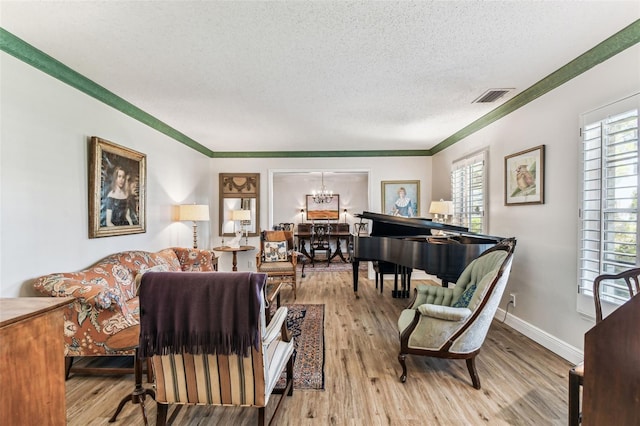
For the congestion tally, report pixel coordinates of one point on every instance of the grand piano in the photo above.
(410, 243)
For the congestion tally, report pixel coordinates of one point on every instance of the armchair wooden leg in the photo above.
(261, 411)
(161, 419)
(402, 358)
(290, 376)
(574, 398)
(471, 366)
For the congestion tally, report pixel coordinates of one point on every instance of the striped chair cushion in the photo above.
(210, 379)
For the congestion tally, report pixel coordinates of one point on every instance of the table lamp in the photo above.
(244, 216)
(441, 208)
(194, 213)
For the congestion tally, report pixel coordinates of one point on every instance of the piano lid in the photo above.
(384, 224)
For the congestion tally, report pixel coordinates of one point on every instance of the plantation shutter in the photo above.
(468, 190)
(609, 199)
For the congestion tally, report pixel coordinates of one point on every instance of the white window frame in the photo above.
(605, 202)
(464, 192)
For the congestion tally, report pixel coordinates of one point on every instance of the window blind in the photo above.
(468, 189)
(609, 198)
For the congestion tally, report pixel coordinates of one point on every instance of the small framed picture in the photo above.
(401, 198)
(117, 188)
(524, 177)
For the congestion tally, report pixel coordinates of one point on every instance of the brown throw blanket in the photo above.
(200, 312)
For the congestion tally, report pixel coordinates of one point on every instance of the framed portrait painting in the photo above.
(117, 189)
(327, 211)
(524, 177)
(401, 198)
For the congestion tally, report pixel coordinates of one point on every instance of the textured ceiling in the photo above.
(296, 76)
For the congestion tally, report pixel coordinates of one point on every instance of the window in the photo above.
(468, 190)
(609, 199)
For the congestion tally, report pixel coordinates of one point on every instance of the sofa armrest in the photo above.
(196, 260)
(94, 292)
(446, 313)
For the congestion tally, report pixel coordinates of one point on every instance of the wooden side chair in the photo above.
(320, 241)
(631, 279)
(209, 341)
(453, 322)
(277, 258)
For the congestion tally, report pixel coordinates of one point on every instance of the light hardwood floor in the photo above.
(522, 383)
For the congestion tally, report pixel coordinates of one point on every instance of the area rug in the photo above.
(306, 323)
(336, 265)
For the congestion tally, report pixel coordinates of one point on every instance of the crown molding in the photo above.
(27, 53)
(610, 47)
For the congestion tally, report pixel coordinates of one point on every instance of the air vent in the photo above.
(491, 95)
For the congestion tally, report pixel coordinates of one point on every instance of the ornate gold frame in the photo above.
(105, 158)
(239, 191)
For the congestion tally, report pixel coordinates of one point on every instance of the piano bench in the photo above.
(381, 268)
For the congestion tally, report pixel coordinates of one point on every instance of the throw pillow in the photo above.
(275, 251)
(465, 297)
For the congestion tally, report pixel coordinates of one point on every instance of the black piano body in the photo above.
(409, 243)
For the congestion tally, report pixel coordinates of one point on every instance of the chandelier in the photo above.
(323, 196)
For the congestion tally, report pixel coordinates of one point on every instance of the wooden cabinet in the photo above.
(32, 353)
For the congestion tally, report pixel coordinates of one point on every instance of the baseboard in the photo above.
(555, 345)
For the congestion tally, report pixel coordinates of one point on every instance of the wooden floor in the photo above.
(522, 383)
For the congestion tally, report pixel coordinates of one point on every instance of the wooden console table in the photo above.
(32, 379)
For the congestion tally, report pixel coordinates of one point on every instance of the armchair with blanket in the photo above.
(209, 341)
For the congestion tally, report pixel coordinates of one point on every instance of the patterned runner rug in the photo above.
(306, 323)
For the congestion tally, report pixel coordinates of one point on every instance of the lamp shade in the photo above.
(441, 207)
(194, 212)
(241, 215)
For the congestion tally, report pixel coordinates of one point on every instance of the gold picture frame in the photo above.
(524, 177)
(117, 189)
(239, 191)
(393, 203)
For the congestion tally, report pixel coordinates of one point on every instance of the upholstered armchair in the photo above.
(209, 342)
(277, 258)
(106, 300)
(453, 322)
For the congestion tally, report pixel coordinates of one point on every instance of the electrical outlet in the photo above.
(512, 299)
(250, 264)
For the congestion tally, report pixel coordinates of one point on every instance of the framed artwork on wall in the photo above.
(328, 211)
(401, 197)
(524, 177)
(117, 190)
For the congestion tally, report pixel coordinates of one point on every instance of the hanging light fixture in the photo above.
(323, 196)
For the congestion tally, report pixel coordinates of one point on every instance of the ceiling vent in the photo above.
(491, 95)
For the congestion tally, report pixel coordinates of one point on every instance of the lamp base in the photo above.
(195, 235)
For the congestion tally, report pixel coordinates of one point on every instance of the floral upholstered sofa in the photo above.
(106, 295)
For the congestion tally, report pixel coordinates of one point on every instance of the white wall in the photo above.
(544, 274)
(387, 168)
(45, 126)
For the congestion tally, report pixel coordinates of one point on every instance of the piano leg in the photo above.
(395, 293)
